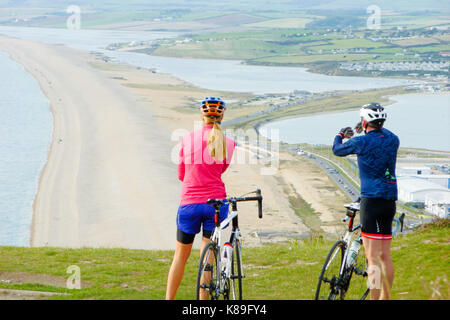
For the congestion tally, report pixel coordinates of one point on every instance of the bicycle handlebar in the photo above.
(217, 203)
(258, 198)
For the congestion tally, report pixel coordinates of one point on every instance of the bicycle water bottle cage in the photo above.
(402, 217)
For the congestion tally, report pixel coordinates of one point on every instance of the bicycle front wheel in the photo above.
(329, 286)
(207, 282)
(236, 272)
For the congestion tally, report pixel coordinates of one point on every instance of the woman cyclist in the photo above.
(377, 153)
(204, 156)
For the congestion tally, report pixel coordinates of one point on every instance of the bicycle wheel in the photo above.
(329, 286)
(365, 294)
(236, 272)
(207, 282)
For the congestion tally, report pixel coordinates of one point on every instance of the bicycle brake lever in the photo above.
(402, 217)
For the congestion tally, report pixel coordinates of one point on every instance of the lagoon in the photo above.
(221, 75)
(419, 120)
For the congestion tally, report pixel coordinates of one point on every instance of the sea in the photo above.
(26, 122)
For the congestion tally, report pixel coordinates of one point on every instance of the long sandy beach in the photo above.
(105, 183)
(109, 180)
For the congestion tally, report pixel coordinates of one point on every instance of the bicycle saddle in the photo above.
(355, 206)
(216, 203)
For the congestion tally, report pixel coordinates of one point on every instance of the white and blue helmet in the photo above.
(373, 112)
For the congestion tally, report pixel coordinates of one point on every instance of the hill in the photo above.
(273, 272)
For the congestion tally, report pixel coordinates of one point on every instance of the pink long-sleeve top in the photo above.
(200, 173)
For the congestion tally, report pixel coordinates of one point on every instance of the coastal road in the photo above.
(341, 181)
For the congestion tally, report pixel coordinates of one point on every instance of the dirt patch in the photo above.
(7, 294)
(43, 279)
(305, 263)
(312, 194)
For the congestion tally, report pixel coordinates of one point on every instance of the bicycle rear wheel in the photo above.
(329, 286)
(236, 272)
(207, 282)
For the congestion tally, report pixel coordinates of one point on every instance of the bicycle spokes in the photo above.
(207, 286)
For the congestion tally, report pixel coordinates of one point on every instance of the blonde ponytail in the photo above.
(217, 144)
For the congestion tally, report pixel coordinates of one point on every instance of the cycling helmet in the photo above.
(212, 106)
(373, 112)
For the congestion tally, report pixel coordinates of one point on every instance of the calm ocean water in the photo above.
(26, 128)
(420, 121)
(26, 122)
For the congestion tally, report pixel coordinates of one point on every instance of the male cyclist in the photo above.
(377, 153)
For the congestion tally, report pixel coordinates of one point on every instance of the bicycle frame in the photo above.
(222, 278)
(217, 238)
(347, 238)
(340, 282)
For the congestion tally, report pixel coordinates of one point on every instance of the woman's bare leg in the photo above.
(182, 253)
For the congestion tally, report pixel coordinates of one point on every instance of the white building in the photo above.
(441, 179)
(438, 203)
(412, 189)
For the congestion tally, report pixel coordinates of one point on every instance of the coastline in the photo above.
(43, 135)
(64, 214)
(109, 181)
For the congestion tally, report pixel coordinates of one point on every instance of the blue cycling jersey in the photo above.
(377, 155)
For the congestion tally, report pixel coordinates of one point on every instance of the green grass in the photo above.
(241, 45)
(305, 59)
(415, 22)
(306, 213)
(282, 271)
(349, 43)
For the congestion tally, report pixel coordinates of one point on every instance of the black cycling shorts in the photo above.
(188, 238)
(377, 215)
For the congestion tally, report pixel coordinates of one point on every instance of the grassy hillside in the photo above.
(287, 271)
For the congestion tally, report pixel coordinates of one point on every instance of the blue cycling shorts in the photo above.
(191, 217)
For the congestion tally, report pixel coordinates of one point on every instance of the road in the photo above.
(342, 182)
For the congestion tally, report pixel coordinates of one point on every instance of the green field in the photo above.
(273, 272)
(310, 48)
(303, 60)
